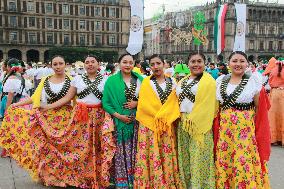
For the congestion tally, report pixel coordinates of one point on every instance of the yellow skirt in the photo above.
(237, 158)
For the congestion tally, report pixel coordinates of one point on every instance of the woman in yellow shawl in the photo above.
(20, 132)
(196, 93)
(156, 158)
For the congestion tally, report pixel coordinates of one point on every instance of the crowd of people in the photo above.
(154, 124)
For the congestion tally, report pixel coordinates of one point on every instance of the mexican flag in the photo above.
(219, 28)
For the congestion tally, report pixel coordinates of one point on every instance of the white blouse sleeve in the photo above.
(75, 80)
(12, 85)
(256, 83)
(218, 84)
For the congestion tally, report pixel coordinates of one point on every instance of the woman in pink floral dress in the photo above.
(238, 156)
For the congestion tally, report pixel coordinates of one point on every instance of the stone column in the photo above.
(24, 55)
(41, 55)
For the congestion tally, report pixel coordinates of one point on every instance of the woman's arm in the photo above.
(67, 98)
(9, 99)
(23, 103)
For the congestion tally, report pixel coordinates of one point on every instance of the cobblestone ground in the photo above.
(13, 177)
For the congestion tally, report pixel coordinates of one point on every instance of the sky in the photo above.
(152, 6)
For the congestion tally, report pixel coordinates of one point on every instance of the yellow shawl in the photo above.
(154, 115)
(200, 120)
(37, 94)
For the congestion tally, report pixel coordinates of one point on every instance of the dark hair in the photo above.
(170, 63)
(196, 53)
(55, 56)
(137, 62)
(279, 69)
(11, 62)
(238, 52)
(212, 64)
(156, 56)
(6, 62)
(92, 56)
(110, 67)
(144, 66)
(122, 56)
(220, 58)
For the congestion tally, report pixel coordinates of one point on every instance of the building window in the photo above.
(98, 11)
(82, 39)
(32, 38)
(251, 29)
(12, 6)
(65, 9)
(261, 45)
(112, 12)
(280, 44)
(98, 25)
(112, 26)
(48, 8)
(32, 21)
(13, 36)
(49, 23)
(272, 30)
(280, 31)
(82, 10)
(270, 45)
(30, 6)
(98, 39)
(66, 24)
(82, 24)
(251, 44)
(49, 38)
(112, 40)
(13, 21)
(66, 39)
(262, 30)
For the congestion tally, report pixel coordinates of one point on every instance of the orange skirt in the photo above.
(276, 115)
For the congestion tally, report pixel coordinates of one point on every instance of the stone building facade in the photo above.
(29, 28)
(264, 31)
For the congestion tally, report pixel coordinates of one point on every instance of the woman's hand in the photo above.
(44, 108)
(130, 105)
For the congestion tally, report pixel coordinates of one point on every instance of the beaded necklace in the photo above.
(230, 101)
(186, 89)
(53, 97)
(92, 87)
(130, 92)
(163, 95)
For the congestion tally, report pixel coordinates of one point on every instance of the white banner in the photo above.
(136, 27)
(240, 38)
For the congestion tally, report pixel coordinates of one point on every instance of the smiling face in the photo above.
(126, 64)
(196, 65)
(58, 65)
(91, 65)
(157, 66)
(238, 64)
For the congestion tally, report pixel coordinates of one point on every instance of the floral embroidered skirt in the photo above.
(237, 159)
(196, 163)
(122, 172)
(15, 139)
(73, 152)
(276, 116)
(156, 164)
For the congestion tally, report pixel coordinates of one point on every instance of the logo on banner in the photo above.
(240, 28)
(136, 23)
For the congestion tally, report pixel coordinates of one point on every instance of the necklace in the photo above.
(163, 95)
(53, 97)
(92, 87)
(130, 92)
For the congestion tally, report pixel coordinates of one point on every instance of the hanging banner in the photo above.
(219, 28)
(240, 38)
(136, 27)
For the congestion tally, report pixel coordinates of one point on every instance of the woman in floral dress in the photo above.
(120, 100)
(156, 159)
(196, 93)
(20, 128)
(81, 155)
(239, 162)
